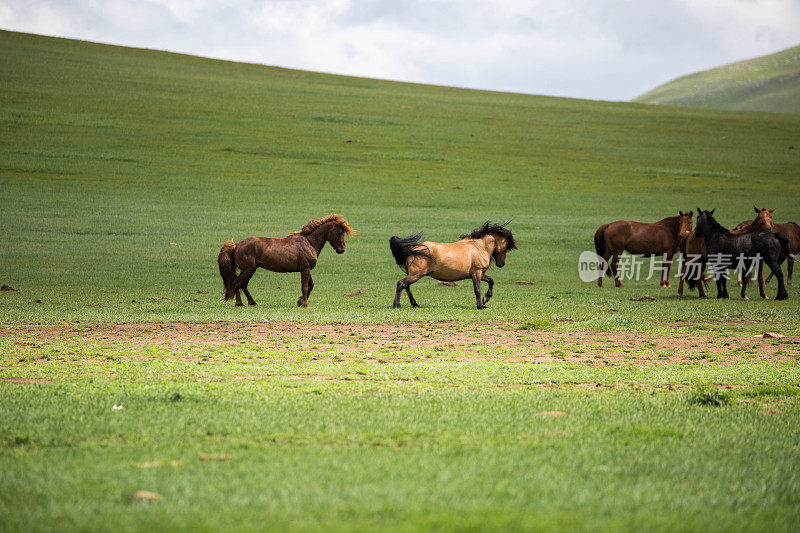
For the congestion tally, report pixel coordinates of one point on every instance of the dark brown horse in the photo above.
(791, 230)
(468, 258)
(297, 252)
(693, 252)
(640, 238)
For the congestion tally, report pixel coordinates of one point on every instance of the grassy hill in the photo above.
(767, 83)
(124, 170)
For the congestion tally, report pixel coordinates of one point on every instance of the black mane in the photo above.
(489, 228)
(719, 227)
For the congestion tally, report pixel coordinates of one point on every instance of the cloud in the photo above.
(601, 49)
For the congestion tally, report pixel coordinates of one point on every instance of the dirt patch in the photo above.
(25, 380)
(415, 341)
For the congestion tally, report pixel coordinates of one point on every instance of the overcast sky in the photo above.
(598, 49)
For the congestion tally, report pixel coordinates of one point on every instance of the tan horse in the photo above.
(652, 239)
(468, 258)
(694, 248)
(297, 252)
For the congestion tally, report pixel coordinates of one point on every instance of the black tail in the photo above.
(600, 243)
(403, 248)
(227, 268)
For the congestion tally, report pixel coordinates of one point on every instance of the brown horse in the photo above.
(641, 238)
(469, 257)
(297, 252)
(694, 248)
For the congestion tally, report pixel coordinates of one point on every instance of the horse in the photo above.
(791, 230)
(469, 257)
(730, 250)
(652, 239)
(297, 252)
(693, 251)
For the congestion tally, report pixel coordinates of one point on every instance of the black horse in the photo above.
(740, 251)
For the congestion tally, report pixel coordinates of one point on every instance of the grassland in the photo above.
(112, 154)
(767, 83)
(122, 173)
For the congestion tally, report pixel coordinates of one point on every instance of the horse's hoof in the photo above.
(745, 298)
(415, 306)
(239, 305)
(396, 306)
(252, 304)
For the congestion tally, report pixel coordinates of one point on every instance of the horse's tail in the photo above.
(404, 248)
(227, 268)
(600, 244)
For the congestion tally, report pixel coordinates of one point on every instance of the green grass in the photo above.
(112, 154)
(432, 445)
(122, 173)
(767, 83)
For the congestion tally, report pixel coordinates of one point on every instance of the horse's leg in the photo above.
(305, 276)
(760, 267)
(488, 295)
(790, 268)
(411, 299)
(701, 284)
(665, 271)
(722, 286)
(403, 285)
(476, 284)
(240, 283)
(604, 267)
(682, 275)
(613, 265)
(775, 268)
(250, 299)
(246, 292)
(745, 279)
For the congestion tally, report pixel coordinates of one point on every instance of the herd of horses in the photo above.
(471, 255)
(745, 248)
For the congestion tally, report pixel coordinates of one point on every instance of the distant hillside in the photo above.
(767, 83)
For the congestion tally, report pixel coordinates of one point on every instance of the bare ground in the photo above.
(388, 342)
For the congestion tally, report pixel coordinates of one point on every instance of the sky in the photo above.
(595, 49)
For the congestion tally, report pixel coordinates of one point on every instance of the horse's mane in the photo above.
(317, 222)
(489, 228)
(715, 224)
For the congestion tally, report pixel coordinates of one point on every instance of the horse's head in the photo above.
(336, 233)
(502, 245)
(703, 221)
(764, 217)
(686, 224)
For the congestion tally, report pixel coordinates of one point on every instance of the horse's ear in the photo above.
(772, 210)
(690, 213)
(755, 208)
(712, 211)
(699, 212)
